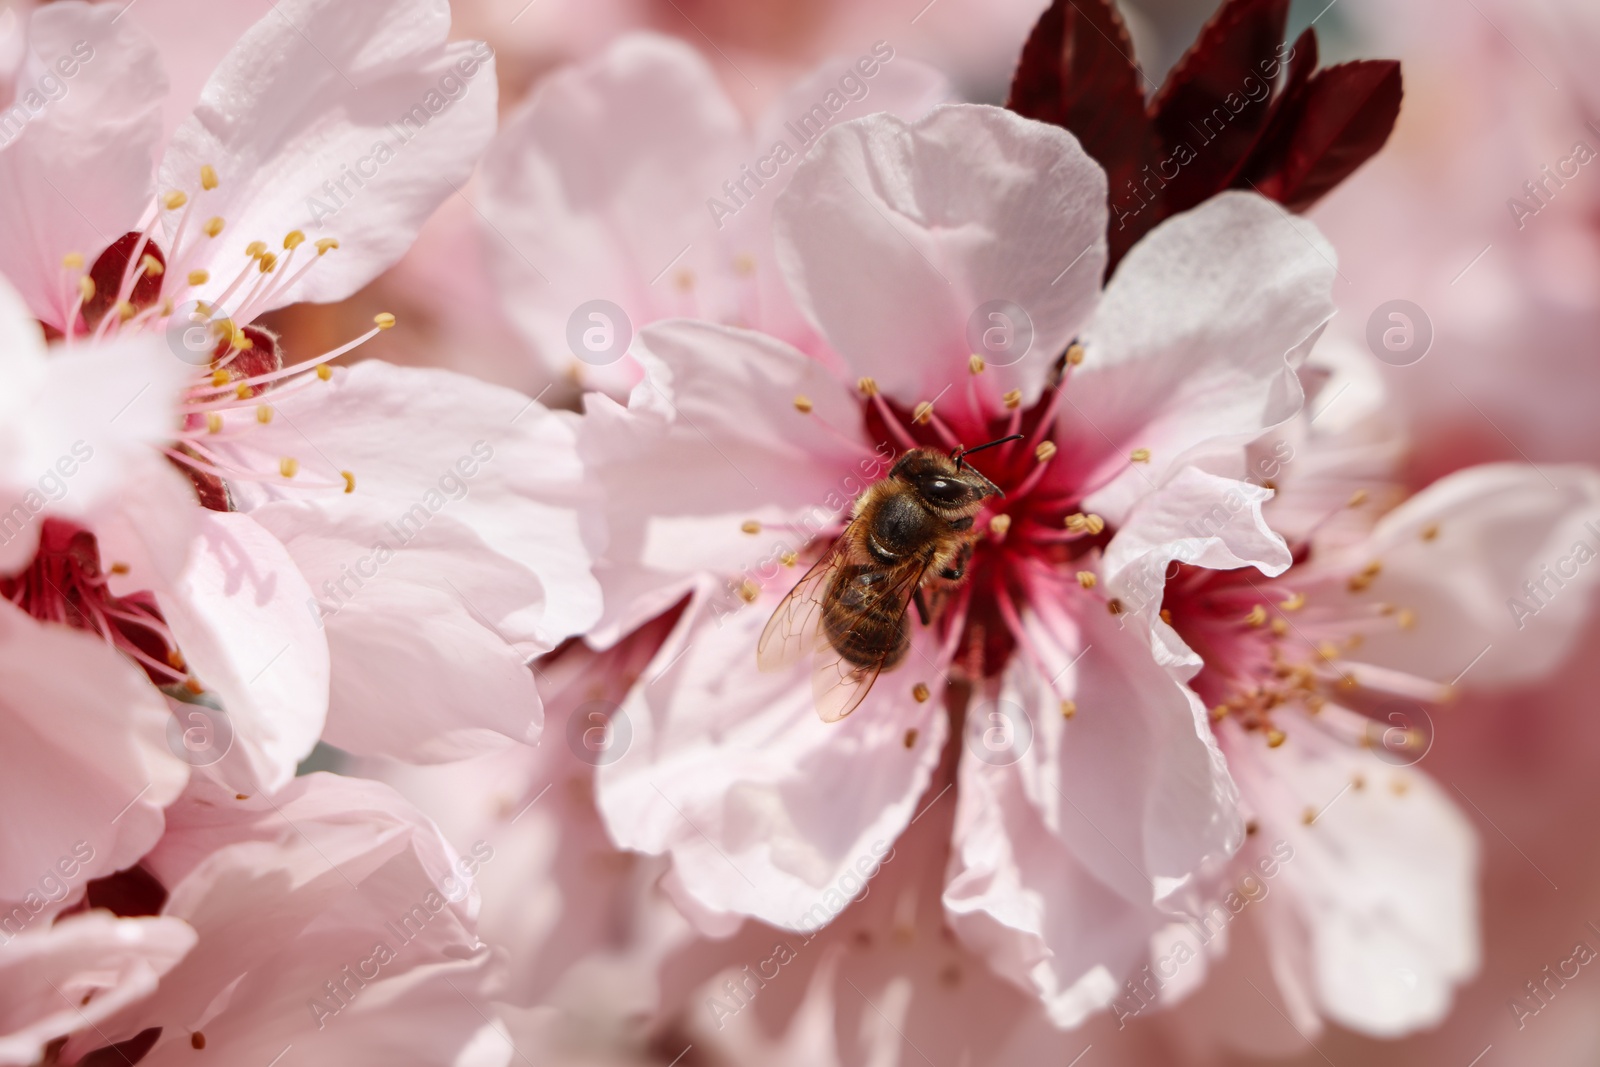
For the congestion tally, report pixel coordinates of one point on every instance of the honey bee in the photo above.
(907, 531)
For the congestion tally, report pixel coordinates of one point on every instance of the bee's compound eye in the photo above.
(945, 493)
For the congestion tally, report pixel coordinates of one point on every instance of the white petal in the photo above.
(1497, 527)
(421, 633)
(893, 235)
(243, 617)
(421, 443)
(77, 176)
(1384, 878)
(765, 809)
(86, 737)
(1193, 344)
(349, 119)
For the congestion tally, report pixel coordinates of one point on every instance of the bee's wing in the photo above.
(796, 623)
(838, 686)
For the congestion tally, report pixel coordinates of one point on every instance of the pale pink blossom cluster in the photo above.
(361, 710)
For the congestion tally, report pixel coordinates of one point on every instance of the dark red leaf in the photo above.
(1343, 116)
(1077, 72)
(110, 269)
(1286, 112)
(1217, 100)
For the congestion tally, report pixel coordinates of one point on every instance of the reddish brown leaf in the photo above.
(1077, 72)
(123, 1053)
(1286, 112)
(1342, 117)
(1217, 100)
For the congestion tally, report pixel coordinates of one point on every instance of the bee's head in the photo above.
(946, 485)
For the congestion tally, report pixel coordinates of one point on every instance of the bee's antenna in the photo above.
(961, 453)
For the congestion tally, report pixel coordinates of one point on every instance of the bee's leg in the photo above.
(922, 606)
(958, 569)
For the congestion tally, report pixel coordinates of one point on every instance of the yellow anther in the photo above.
(175, 199)
(175, 659)
(383, 320)
(326, 245)
(264, 413)
(911, 738)
(749, 591)
(255, 249)
(788, 559)
(999, 526)
(199, 277)
(1219, 713)
(919, 693)
(125, 310)
(213, 226)
(1087, 579)
(1406, 619)
(1279, 627)
(292, 240)
(1075, 354)
(1069, 708)
(219, 378)
(1328, 650)
(922, 413)
(744, 264)
(1430, 531)
(123, 568)
(1399, 786)
(1363, 579)
(1166, 616)
(750, 526)
(1358, 782)
(868, 386)
(242, 391)
(1045, 452)
(324, 371)
(1275, 737)
(288, 466)
(267, 262)
(802, 404)
(208, 177)
(1293, 602)
(1357, 498)
(86, 288)
(1308, 816)
(1140, 455)
(684, 280)
(213, 422)
(192, 684)
(349, 481)
(72, 260)
(975, 363)
(1257, 616)
(152, 266)
(1012, 399)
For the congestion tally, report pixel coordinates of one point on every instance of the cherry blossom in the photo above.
(891, 236)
